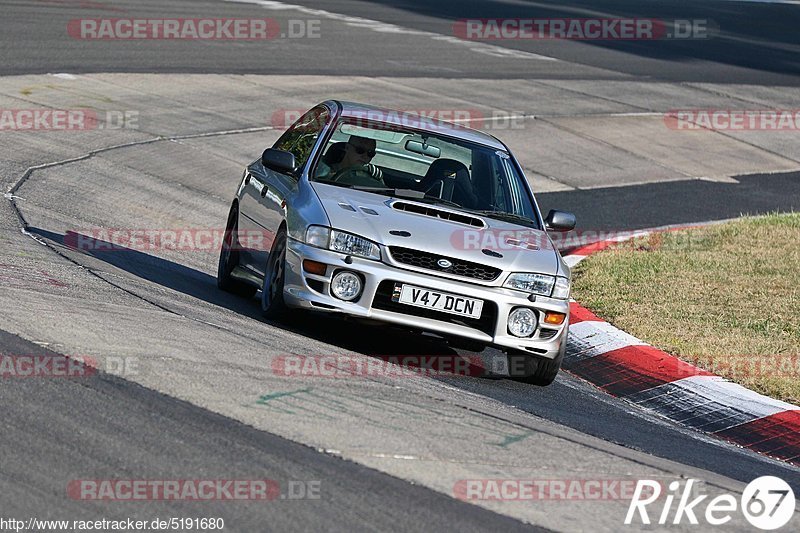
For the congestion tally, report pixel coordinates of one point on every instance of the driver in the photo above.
(356, 155)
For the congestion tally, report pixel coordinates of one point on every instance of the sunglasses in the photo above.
(360, 150)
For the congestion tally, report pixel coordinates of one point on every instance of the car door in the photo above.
(265, 196)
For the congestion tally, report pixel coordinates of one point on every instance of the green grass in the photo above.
(724, 297)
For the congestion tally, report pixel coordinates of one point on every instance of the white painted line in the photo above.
(589, 339)
(491, 119)
(384, 27)
(572, 260)
(708, 403)
(733, 395)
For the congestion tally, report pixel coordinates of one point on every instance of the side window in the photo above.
(301, 137)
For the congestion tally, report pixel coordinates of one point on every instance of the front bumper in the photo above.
(309, 291)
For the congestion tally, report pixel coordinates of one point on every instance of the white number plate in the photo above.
(440, 301)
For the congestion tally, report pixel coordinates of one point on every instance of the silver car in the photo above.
(400, 219)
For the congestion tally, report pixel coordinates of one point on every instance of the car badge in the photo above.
(444, 263)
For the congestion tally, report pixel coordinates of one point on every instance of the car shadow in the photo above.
(378, 341)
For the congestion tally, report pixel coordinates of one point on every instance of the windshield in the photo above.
(428, 168)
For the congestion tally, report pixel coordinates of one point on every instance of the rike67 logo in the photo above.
(768, 503)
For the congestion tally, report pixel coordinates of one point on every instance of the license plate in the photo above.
(439, 301)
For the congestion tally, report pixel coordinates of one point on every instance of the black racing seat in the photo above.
(449, 179)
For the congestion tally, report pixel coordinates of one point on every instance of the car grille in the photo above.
(428, 261)
(383, 301)
(547, 333)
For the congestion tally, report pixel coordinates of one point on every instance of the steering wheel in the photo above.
(357, 176)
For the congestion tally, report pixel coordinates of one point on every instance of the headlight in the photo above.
(318, 236)
(346, 286)
(347, 243)
(522, 322)
(341, 241)
(541, 284)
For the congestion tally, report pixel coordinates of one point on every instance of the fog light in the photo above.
(314, 267)
(551, 317)
(522, 322)
(346, 286)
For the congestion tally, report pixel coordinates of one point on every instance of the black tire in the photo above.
(229, 259)
(272, 304)
(532, 369)
(469, 345)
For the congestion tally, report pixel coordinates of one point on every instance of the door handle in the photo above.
(264, 190)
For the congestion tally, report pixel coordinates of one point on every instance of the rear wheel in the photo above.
(272, 303)
(532, 369)
(229, 259)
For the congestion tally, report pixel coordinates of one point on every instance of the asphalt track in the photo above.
(756, 43)
(156, 437)
(112, 427)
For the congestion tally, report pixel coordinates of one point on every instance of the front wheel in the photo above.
(272, 303)
(532, 369)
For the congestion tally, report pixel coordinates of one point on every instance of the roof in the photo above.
(416, 120)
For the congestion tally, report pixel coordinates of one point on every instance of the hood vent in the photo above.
(430, 211)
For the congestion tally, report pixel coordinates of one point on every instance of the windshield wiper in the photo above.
(502, 215)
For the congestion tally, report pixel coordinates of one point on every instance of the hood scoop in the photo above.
(433, 212)
(348, 207)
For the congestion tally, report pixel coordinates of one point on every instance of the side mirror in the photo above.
(279, 161)
(559, 221)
